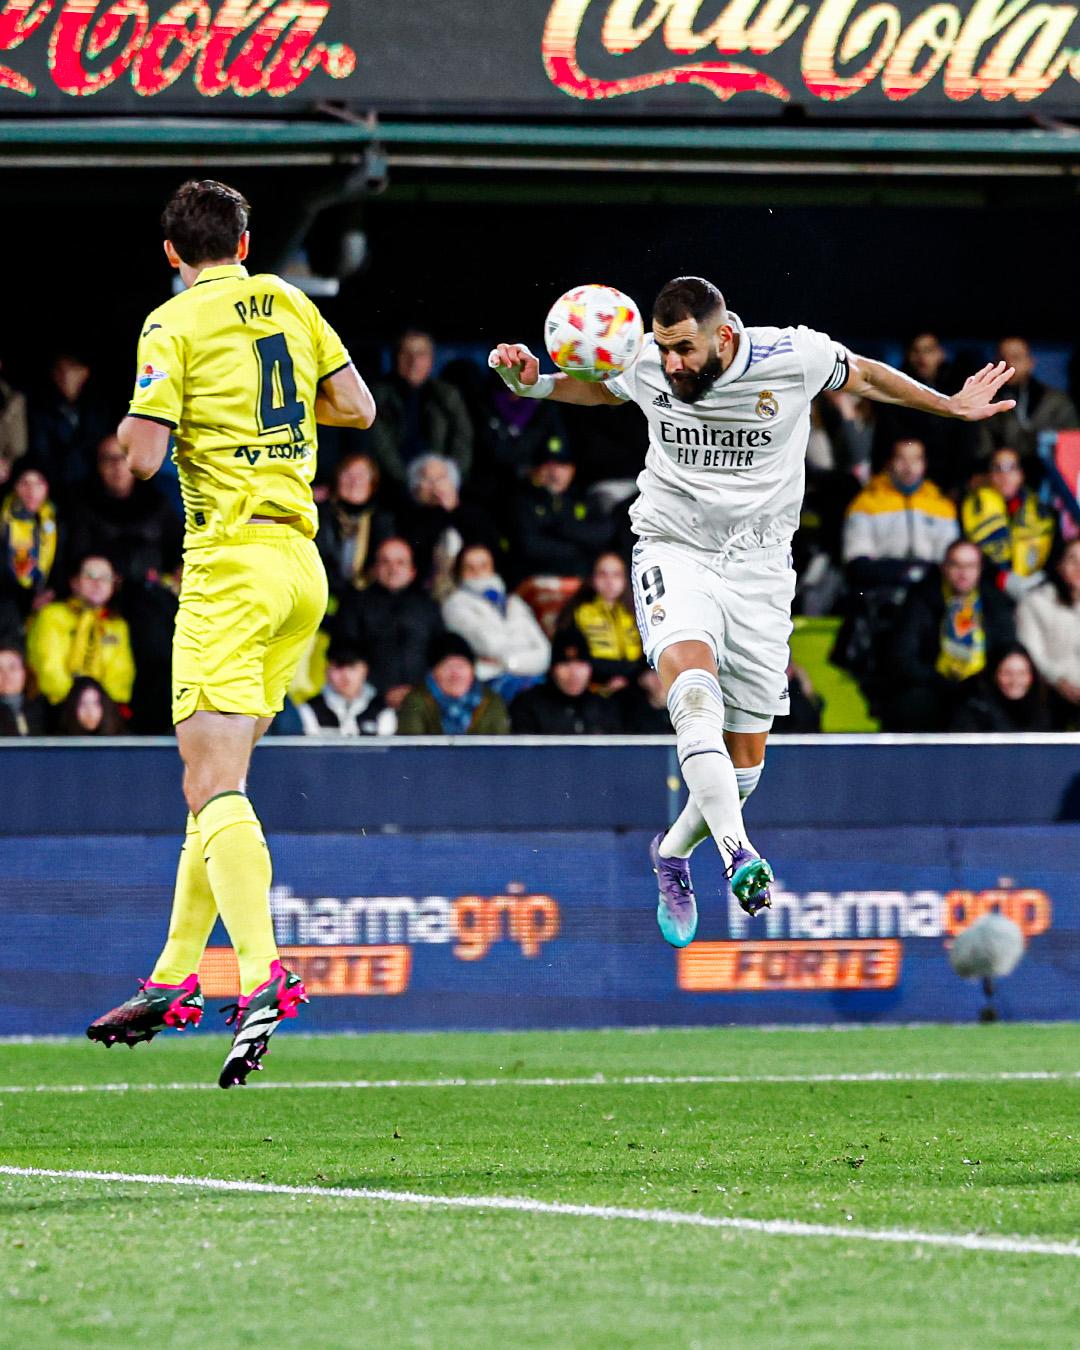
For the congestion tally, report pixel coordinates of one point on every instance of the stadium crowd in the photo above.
(477, 545)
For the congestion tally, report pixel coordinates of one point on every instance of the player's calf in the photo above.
(153, 1008)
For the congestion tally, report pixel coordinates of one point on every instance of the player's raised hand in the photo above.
(975, 402)
(514, 359)
(520, 370)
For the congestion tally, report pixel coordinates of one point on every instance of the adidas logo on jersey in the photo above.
(661, 401)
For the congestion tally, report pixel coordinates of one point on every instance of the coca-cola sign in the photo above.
(988, 51)
(690, 58)
(242, 47)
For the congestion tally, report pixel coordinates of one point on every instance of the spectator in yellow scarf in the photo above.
(28, 538)
(1011, 526)
(941, 636)
(82, 636)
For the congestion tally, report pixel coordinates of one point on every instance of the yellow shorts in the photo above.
(248, 609)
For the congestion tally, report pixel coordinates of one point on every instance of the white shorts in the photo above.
(739, 604)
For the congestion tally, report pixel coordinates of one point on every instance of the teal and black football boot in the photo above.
(676, 907)
(750, 878)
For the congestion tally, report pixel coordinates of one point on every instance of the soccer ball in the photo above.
(593, 332)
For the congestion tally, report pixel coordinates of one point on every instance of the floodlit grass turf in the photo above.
(92, 1264)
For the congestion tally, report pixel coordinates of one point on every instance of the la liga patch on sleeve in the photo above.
(149, 375)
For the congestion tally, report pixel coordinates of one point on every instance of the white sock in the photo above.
(687, 832)
(748, 779)
(690, 829)
(696, 707)
(711, 780)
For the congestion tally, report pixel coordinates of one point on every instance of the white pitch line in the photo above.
(593, 1080)
(523, 1204)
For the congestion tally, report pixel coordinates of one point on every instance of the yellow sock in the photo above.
(193, 914)
(238, 865)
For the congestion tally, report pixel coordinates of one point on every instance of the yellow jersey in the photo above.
(232, 366)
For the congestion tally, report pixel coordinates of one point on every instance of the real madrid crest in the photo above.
(767, 405)
(657, 616)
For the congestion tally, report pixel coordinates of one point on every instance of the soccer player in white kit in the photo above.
(719, 498)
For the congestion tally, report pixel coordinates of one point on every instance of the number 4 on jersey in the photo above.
(279, 408)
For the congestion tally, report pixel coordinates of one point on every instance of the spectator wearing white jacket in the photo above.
(899, 523)
(348, 705)
(1048, 624)
(511, 649)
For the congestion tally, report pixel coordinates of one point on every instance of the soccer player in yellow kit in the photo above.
(238, 370)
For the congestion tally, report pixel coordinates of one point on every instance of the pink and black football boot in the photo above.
(256, 1016)
(154, 1008)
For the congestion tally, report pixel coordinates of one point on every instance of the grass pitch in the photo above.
(973, 1152)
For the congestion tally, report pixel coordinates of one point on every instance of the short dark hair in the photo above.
(30, 464)
(346, 654)
(962, 542)
(393, 539)
(445, 645)
(407, 333)
(569, 644)
(204, 220)
(76, 355)
(907, 440)
(468, 547)
(688, 298)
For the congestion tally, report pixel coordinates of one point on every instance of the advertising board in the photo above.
(557, 929)
(553, 58)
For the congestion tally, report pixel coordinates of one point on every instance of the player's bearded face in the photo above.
(689, 386)
(693, 359)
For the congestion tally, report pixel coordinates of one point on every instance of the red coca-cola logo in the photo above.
(997, 49)
(994, 50)
(243, 46)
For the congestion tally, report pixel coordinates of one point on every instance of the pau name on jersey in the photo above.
(728, 471)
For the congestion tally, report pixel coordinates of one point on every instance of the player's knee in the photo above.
(695, 699)
(695, 696)
(748, 779)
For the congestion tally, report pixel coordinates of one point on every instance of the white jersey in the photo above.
(727, 473)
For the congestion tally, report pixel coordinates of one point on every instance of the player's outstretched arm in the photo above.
(520, 372)
(145, 442)
(974, 403)
(344, 400)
